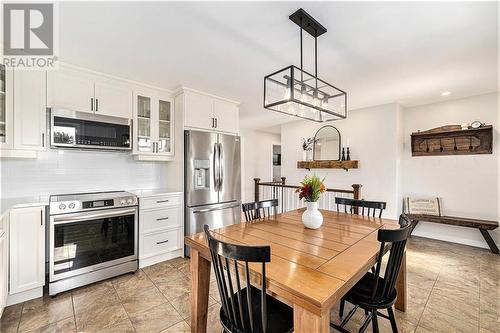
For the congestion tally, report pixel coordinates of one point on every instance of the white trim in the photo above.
(458, 240)
(24, 296)
(17, 153)
(182, 89)
(160, 258)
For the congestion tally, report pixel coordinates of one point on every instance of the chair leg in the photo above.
(341, 311)
(392, 318)
(374, 322)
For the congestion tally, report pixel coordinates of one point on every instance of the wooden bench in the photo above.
(482, 225)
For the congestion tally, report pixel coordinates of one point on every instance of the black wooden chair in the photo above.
(258, 209)
(374, 292)
(247, 309)
(355, 204)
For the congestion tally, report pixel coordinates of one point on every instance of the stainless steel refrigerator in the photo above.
(212, 180)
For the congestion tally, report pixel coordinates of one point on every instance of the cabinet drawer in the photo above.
(160, 242)
(152, 220)
(160, 201)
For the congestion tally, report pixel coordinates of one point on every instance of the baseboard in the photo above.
(24, 296)
(159, 258)
(451, 239)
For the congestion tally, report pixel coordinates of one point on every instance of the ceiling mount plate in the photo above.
(308, 23)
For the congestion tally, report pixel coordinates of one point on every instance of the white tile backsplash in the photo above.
(68, 171)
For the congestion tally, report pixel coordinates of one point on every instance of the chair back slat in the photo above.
(257, 210)
(226, 258)
(365, 205)
(397, 239)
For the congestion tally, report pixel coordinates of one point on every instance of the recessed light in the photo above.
(446, 93)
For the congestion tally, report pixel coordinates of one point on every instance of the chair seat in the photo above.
(361, 294)
(279, 315)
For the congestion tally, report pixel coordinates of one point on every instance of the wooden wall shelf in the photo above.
(452, 140)
(327, 164)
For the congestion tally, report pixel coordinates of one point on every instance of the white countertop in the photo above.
(9, 203)
(153, 192)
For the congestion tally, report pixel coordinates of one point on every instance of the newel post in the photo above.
(256, 189)
(357, 195)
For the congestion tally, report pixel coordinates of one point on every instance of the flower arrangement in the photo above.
(311, 188)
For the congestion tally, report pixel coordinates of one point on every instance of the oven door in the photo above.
(89, 241)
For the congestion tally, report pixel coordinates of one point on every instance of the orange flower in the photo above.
(322, 188)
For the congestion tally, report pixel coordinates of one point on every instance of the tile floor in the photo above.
(452, 288)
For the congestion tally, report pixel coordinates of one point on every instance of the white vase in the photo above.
(312, 217)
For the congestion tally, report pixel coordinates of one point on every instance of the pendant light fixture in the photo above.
(295, 92)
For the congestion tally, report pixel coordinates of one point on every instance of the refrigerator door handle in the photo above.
(214, 209)
(216, 166)
(221, 166)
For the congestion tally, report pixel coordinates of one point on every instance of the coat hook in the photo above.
(440, 146)
(427, 144)
(470, 142)
(455, 148)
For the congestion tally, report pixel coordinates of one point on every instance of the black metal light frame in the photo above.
(314, 28)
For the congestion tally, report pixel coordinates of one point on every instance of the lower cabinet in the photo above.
(26, 253)
(4, 266)
(160, 228)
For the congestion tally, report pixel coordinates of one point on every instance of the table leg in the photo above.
(489, 240)
(401, 286)
(200, 282)
(308, 322)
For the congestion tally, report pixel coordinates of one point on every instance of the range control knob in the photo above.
(62, 206)
(71, 205)
(130, 201)
(122, 202)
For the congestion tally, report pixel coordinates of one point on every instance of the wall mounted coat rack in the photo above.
(452, 140)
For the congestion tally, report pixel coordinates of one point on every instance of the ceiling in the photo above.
(379, 52)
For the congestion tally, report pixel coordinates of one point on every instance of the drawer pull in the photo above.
(160, 201)
(165, 241)
(162, 219)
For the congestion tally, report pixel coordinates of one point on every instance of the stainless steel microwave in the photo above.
(73, 129)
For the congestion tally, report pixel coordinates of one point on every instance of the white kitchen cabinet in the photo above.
(70, 89)
(160, 228)
(6, 108)
(4, 263)
(27, 249)
(85, 91)
(113, 99)
(208, 112)
(30, 113)
(154, 133)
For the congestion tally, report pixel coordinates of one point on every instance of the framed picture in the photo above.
(422, 206)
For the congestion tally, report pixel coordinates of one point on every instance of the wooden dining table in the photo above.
(310, 270)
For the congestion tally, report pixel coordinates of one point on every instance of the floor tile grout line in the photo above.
(74, 312)
(119, 298)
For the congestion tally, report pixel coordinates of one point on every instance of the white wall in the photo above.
(256, 159)
(467, 184)
(78, 171)
(372, 135)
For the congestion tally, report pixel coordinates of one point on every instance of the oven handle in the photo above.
(86, 216)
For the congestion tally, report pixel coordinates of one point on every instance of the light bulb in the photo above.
(315, 100)
(288, 90)
(324, 102)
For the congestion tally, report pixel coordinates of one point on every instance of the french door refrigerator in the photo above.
(212, 180)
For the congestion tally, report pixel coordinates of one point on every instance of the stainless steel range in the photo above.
(92, 237)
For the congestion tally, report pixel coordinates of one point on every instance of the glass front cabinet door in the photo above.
(154, 126)
(6, 115)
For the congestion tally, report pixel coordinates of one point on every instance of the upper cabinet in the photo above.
(78, 90)
(208, 112)
(23, 120)
(154, 132)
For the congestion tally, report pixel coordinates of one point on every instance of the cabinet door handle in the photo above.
(215, 122)
(91, 104)
(161, 201)
(162, 242)
(96, 105)
(41, 217)
(162, 219)
(43, 140)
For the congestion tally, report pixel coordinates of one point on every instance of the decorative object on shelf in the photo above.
(348, 158)
(343, 154)
(296, 92)
(326, 144)
(307, 149)
(476, 124)
(453, 140)
(310, 190)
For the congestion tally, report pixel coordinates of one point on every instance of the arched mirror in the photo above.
(327, 144)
